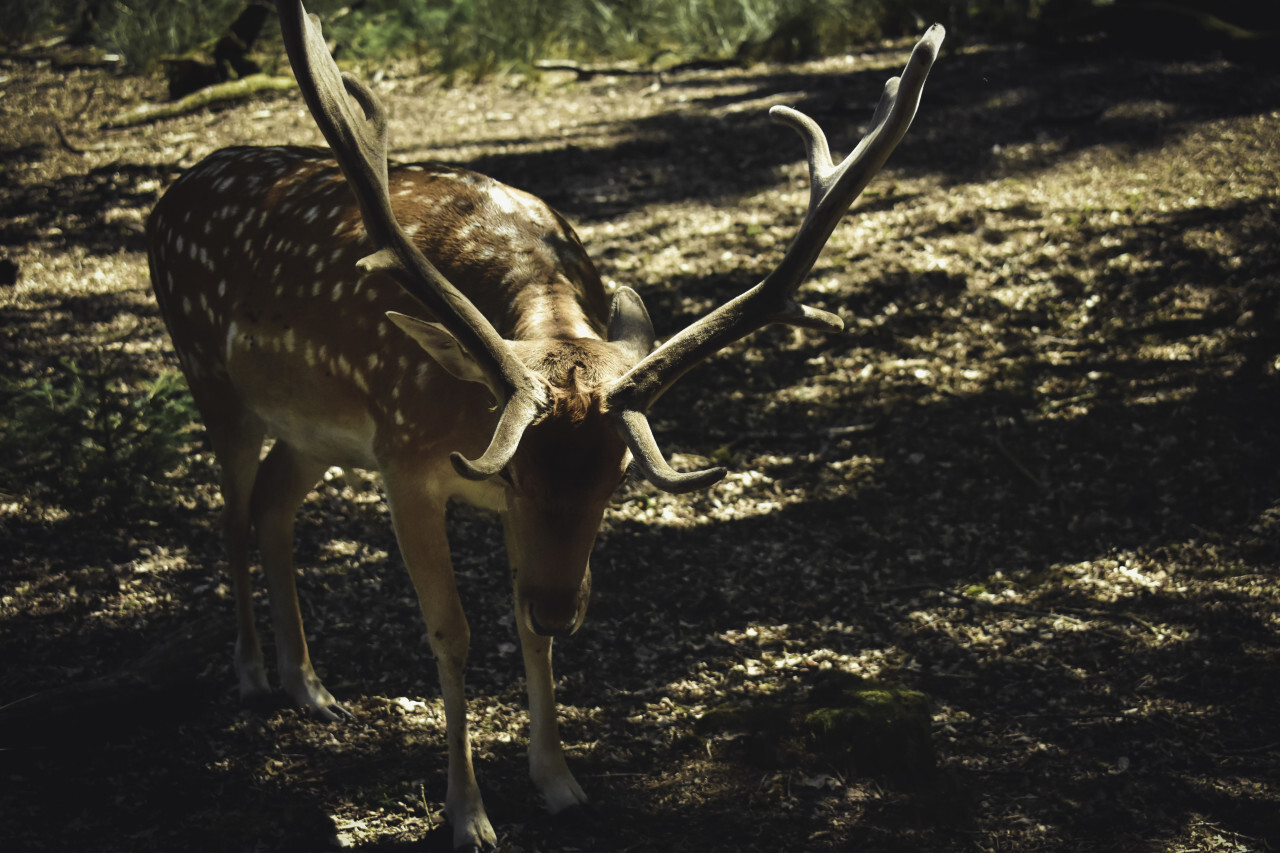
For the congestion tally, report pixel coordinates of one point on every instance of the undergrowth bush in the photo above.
(91, 440)
(26, 19)
(478, 37)
(142, 31)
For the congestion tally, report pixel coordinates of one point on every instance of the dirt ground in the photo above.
(1035, 479)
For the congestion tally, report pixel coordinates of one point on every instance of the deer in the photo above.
(450, 333)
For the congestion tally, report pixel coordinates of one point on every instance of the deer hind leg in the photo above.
(420, 529)
(237, 443)
(284, 479)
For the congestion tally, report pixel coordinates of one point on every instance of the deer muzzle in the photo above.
(553, 612)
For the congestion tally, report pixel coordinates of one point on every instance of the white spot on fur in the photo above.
(503, 199)
(232, 331)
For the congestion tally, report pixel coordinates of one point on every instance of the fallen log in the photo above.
(233, 90)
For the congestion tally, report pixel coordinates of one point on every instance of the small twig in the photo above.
(426, 806)
(1250, 750)
(66, 143)
(88, 101)
(586, 72)
(1026, 472)
(1060, 613)
(969, 600)
(776, 435)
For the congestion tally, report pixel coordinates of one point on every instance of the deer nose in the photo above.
(555, 614)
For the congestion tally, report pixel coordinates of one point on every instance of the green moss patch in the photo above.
(860, 727)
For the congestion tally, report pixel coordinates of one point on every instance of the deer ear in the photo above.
(443, 348)
(629, 325)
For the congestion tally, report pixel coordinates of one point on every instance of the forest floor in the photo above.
(1037, 479)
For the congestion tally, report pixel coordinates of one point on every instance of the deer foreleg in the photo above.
(420, 528)
(547, 766)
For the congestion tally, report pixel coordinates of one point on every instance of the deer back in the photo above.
(254, 256)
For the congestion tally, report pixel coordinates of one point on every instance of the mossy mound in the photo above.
(859, 726)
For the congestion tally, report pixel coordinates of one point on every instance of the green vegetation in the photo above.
(144, 31)
(90, 439)
(479, 37)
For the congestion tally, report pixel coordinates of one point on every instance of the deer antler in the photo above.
(832, 189)
(360, 144)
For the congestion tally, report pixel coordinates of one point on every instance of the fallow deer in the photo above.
(451, 333)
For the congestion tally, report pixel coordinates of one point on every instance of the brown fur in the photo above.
(578, 371)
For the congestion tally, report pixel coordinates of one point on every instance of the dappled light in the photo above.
(1034, 480)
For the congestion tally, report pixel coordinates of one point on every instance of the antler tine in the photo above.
(832, 189)
(360, 144)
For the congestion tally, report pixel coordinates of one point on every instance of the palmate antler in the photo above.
(832, 189)
(360, 144)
